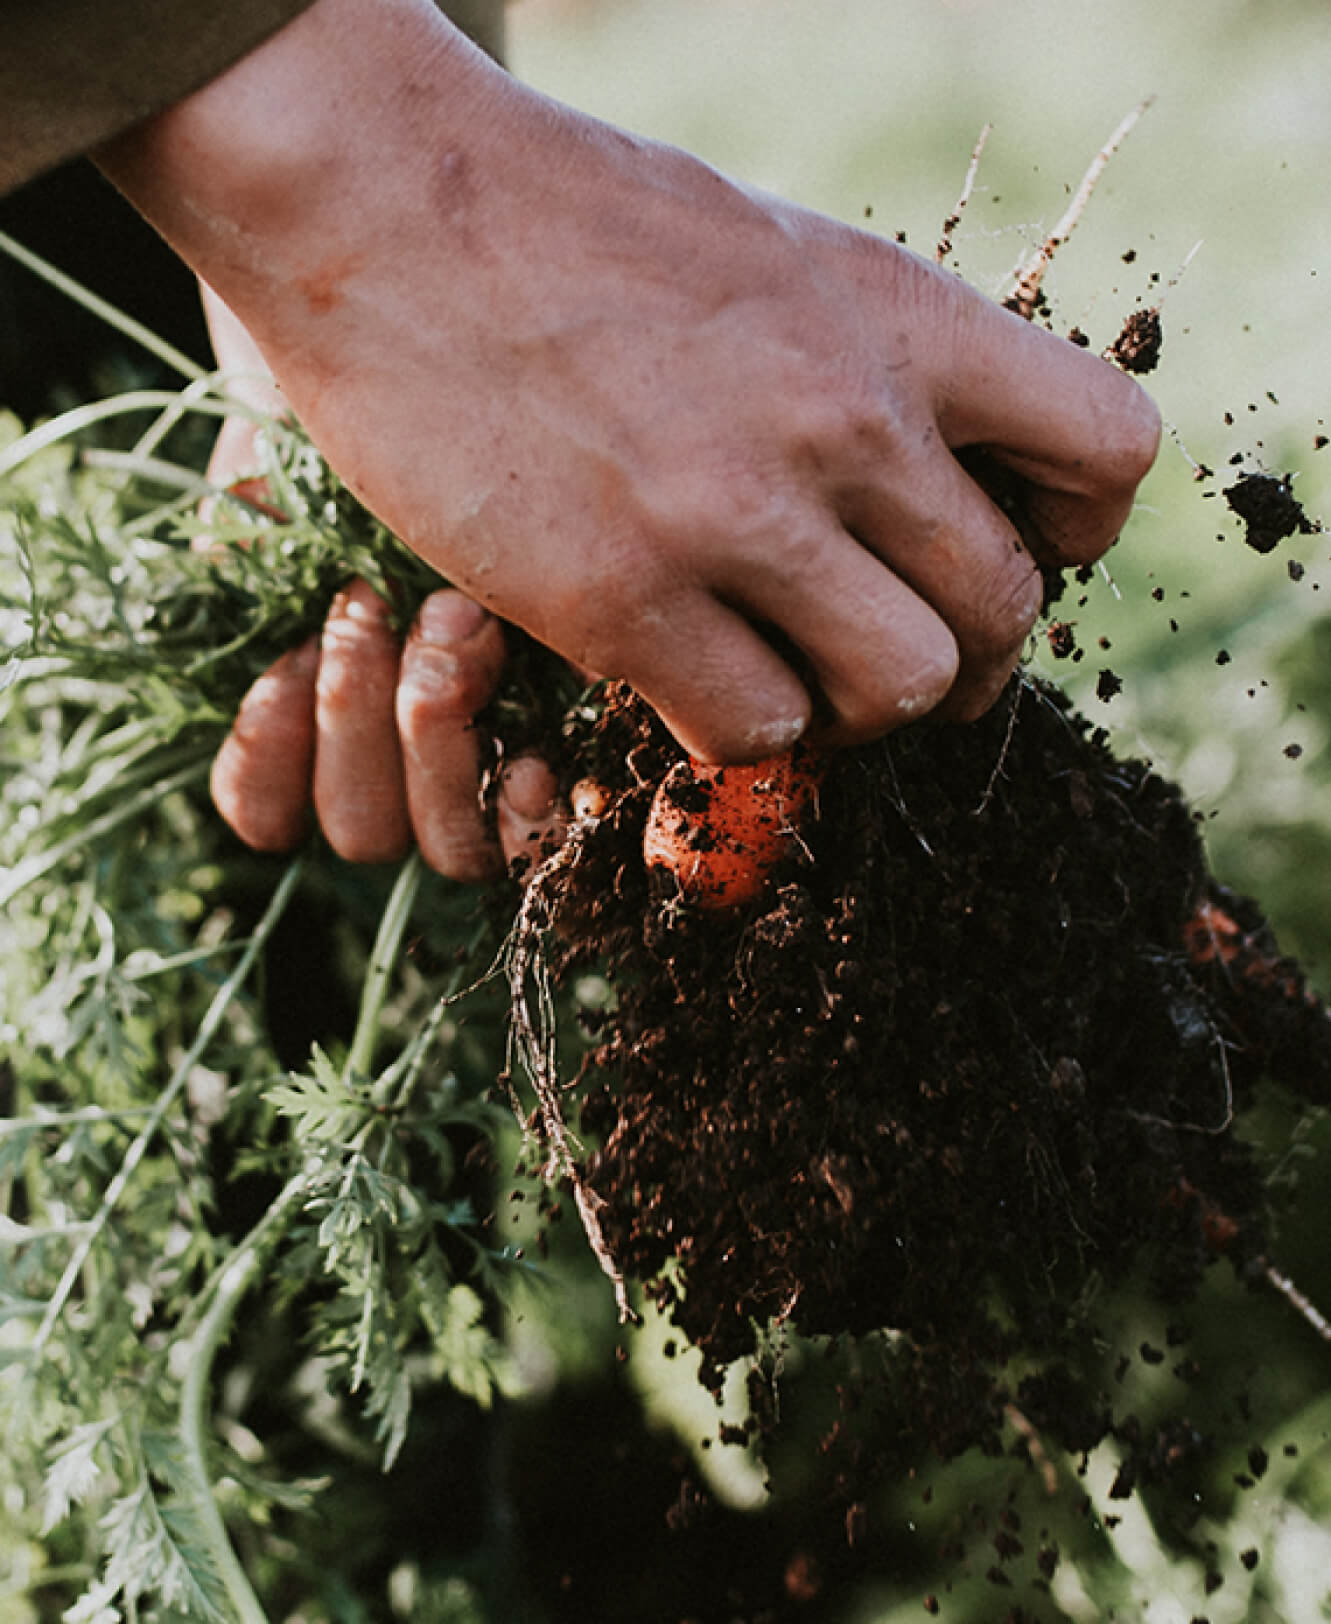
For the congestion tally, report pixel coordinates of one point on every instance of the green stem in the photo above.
(138, 465)
(96, 411)
(233, 1282)
(60, 1120)
(212, 1020)
(109, 313)
(383, 961)
(394, 1088)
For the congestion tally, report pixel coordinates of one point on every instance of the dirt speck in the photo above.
(1137, 348)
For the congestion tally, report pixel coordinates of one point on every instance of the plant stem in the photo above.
(166, 1099)
(109, 313)
(395, 1087)
(232, 1283)
(82, 417)
(59, 1120)
(383, 961)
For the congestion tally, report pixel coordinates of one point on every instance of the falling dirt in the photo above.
(1137, 348)
(1269, 510)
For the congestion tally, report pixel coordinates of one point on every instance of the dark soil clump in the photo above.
(1269, 510)
(983, 1039)
(1137, 348)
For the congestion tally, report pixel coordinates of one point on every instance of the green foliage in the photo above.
(165, 1177)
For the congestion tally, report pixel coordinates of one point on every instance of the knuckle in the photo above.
(1131, 442)
(357, 843)
(794, 556)
(994, 622)
(850, 425)
(337, 693)
(352, 683)
(461, 857)
(437, 687)
(357, 628)
(1013, 606)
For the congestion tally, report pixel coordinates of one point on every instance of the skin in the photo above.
(376, 735)
(681, 432)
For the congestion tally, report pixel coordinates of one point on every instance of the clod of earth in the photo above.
(984, 1033)
(1137, 348)
(1269, 510)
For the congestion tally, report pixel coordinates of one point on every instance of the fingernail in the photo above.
(447, 618)
(529, 788)
(775, 738)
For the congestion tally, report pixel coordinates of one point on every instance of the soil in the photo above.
(1269, 510)
(983, 1038)
(1137, 348)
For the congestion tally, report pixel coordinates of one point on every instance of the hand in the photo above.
(682, 433)
(379, 737)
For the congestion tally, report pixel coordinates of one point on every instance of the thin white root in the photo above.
(1182, 270)
(1302, 1305)
(959, 207)
(536, 1049)
(1026, 283)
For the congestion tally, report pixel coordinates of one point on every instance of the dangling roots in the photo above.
(534, 1036)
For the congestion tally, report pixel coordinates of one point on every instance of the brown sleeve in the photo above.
(73, 73)
(483, 20)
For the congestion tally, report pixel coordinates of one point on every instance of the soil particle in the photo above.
(1269, 510)
(1062, 638)
(1137, 348)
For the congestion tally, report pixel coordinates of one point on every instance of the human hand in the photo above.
(682, 433)
(377, 735)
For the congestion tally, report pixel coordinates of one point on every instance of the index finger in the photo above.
(1079, 432)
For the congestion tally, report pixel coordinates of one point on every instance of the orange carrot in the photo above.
(719, 831)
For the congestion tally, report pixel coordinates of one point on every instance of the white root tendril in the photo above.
(1026, 283)
(534, 1036)
(953, 220)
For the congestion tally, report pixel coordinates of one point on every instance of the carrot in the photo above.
(719, 831)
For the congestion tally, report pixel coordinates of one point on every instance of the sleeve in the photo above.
(74, 73)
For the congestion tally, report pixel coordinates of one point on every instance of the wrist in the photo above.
(276, 173)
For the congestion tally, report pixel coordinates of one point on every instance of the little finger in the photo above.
(531, 820)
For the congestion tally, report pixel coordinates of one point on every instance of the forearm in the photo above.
(264, 175)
